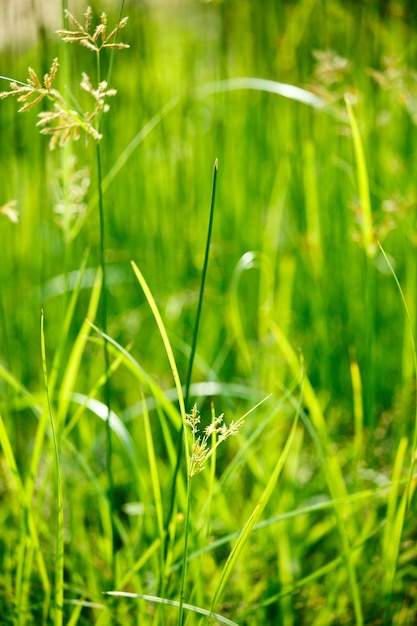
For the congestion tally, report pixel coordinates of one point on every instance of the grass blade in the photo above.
(187, 607)
(59, 550)
(363, 184)
(244, 535)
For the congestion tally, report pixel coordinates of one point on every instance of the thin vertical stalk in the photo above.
(107, 389)
(192, 356)
(104, 316)
(59, 550)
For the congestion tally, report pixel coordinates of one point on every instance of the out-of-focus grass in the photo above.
(288, 275)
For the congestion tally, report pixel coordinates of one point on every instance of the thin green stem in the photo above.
(185, 552)
(107, 389)
(104, 317)
(59, 553)
(192, 356)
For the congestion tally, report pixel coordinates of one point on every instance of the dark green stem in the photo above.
(107, 390)
(191, 360)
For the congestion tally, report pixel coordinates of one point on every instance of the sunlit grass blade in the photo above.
(73, 364)
(413, 346)
(363, 185)
(174, 370)
(156, 487)
(69, 314)
(59, 550)
(330, 463)
(187, 607)
(393, 527)
(24, 395)
(284, 90)
(256, 513)
(165, 340)
(326, 569)
(29, 541)
(100, 410)
(355, 376)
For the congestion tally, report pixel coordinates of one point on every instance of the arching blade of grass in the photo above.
(156, 487)
(166, 342)
(162, 403)
(326, 569)
(83, 400)
(187, 607)
(396, 516)
(174, 369)
(100, 410)
(413, 345)
(363, 184)
(285, 90)
(74, 360)
(256, 513)
(26, 399)
(331, 466)
(59, 550)
(29, 542)
(393, 530)
(69, 314)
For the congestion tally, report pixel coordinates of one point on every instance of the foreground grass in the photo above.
(306, 515)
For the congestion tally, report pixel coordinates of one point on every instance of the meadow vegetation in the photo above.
(208, 313)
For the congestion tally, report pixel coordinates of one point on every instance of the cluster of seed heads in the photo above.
(217, 431)
(63, 120)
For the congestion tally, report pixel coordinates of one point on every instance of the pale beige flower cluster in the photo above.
(64, 120)
(217, 431)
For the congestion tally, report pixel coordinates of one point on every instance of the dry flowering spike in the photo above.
(32, 92)
(217, 431)
(63, 121)
(100, 94)
(96, 39)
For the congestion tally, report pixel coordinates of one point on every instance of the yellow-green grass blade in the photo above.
(26, 399)
(153, 466)
(175, 603)
(394, 524)
(330, 464)
(29, 536)
(413, 346)
(167, 346)
(92, 394)
(73, 366)
(355, 377)
(59, 550)
(363, 184)
(69, 314)
(256, 513)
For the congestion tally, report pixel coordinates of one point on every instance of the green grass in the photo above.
(308, 269)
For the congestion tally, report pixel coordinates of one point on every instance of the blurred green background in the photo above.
(287, 185)
(287, 241)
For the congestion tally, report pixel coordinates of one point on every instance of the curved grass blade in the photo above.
(187, 607)
(59, 550)
(167, 345)
(181, 401)
(413, 346)
(363, 184)
(261, 84)
(73, 364)
(285, 90)
(247, 529)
